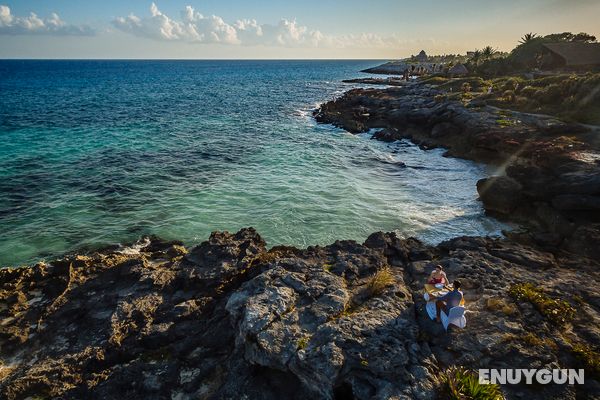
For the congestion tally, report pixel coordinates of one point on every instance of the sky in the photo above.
(242, 29)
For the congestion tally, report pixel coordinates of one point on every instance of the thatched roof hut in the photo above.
(574, 54)
(458, 70)
(422, 56)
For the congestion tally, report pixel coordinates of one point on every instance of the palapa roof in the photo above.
(458, 69)
(576, 53)
(422, 56)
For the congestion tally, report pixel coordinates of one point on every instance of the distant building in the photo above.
(421, 57)
(571, 55)
(458, 70)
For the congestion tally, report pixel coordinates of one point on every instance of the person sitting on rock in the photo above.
(438, 276)
(451, 299)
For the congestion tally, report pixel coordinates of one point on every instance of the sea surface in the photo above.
(103, 152)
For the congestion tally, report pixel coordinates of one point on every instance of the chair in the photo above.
(456, 316)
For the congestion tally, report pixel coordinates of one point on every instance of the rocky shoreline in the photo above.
(389, 68)
(390, 81)
(229, 318)
(548, 171)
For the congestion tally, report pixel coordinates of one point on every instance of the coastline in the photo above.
(228, 316)
(548, 176)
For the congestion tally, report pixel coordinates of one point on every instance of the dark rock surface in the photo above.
(500, 194)
(230, 320)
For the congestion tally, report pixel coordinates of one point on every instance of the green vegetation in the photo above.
(527, 38)
(504, 122)
(526, 56)
(442, 58)
(579, 300)
(459, 383)
(574, 98)
(505, 80)
(588, 357)
(570, 97)
(435, 80)
(483, 57)
(531, 339)
(382, 279)
(303, 343)
(535, 341)
(476, 84)
(557, 311)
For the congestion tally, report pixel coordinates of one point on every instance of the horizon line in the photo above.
(198, 59)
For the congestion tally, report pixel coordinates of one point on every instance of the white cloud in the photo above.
(195, 27)
(32, 24)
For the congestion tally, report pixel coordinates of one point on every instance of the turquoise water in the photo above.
(103, 152)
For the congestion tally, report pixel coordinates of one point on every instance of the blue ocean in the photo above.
(103, 152)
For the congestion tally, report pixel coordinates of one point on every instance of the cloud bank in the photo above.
(32, 24)
(194, 27)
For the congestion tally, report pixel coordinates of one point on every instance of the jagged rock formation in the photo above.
(549, 170)
(229, 319)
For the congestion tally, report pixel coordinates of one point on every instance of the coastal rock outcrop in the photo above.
(500, 194)
(229, 317)
(548, 170)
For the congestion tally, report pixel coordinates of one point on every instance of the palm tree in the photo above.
(476, 57)
(488, 52)
(528, 37)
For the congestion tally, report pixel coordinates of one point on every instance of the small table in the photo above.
(432, 293)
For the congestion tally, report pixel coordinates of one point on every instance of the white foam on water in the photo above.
(135, 248)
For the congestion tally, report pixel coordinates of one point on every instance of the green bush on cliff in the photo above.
(303, 343)
(570, 97)
(476, 84)
(558, 311)
(435, 80)
(458, 383)
(549, 95)
(511, 83)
